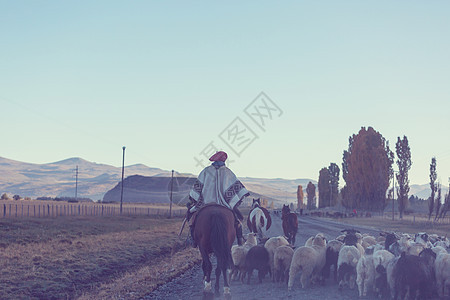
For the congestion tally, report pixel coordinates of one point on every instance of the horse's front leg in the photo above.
(218, 271)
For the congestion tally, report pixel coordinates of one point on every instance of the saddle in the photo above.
(195, 214)
(237, 215)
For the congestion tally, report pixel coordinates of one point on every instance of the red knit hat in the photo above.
(219, 156)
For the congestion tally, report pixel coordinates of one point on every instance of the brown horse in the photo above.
(214, 232)
(290, 224)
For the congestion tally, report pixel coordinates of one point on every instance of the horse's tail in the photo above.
(293, 222)
(219, 241)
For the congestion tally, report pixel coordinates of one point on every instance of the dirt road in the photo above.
(189, 285)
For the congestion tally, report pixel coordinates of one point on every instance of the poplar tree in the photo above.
(311, 195)
(404, 165)
(433, 177)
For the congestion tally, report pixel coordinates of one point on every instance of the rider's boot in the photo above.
(240, 238)
(190, 239)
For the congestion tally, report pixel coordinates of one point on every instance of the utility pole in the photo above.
(171, 189)
(331, 193)
(123, 169)
(76, 183)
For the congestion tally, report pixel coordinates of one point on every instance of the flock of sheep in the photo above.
(389, 265)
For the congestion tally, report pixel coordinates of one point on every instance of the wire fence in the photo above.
(419, 219)
(98, 210)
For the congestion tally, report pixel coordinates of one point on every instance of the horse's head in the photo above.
(256, 202)
(285, 209)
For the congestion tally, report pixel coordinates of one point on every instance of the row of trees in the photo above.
(15, 197)
(434, 201)
(367, 169)
(328, 185)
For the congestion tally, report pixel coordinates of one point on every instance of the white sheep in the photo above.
(378, 247)
(359, 236)
(382, 257)
(340, 238)
(282, 261)
(309, 241)
(381, 239)
(272, 244)
(250, 241)
(442, 269)
(368, 241)
(443, 243)
(405, 242)
(360, 249)
(309, 260)
(365, 273)
(390, 274)
(238, 254)
(347, 261)
(415, 248)
(439, 249)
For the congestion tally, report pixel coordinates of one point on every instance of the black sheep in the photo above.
(257, 258)
(381, 284)
(390, 239)
(415, 273)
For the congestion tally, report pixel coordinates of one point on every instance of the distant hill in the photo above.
(57, 179)
(423, 191)
(156, 189)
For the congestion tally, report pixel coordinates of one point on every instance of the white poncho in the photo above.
(217, 185)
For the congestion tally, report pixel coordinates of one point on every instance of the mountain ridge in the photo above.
(57, 179)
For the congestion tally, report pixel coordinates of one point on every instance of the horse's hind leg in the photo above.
(207, 269)
(218, 271)
(226, 285)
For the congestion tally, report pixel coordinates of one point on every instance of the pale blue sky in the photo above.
(83, 78)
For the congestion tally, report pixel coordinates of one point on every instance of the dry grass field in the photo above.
(46, 208)
(408, 225)
(96, 258)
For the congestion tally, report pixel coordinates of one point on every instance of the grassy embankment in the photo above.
(99, 258)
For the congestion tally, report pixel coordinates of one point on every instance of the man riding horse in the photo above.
(217, 184)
